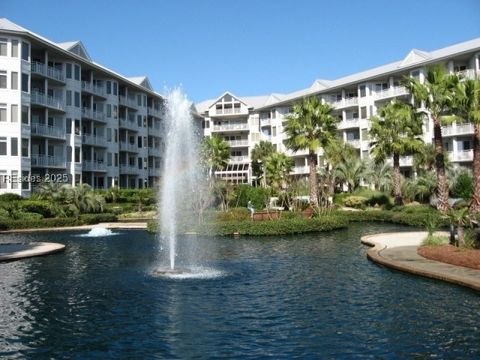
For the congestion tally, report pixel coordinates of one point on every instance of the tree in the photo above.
(215, 153)
(380, 175)
(259, 153)
(277, 170)
(352, 172)
(395, 134)
(467, 106)
(309, 127)
(435, 95)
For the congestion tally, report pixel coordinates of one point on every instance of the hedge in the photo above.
(84, 219)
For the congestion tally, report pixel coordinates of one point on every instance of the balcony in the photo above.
(458, 129)
(38, 98)
(128, 102)
(126, 146)
(467, 74)
(48, 161)
(154, 112)
(128, 124)
(265, 122)
(228, 111)
(47, 71)
(47, 131)
(344, 103)
(238, 143)
(230, 127)
(349, 123)
(291, 153)
(460, 155)
(93, 115)
(406, 160)
(129, 169)
(300, 170)
(239, 159)
(97, 166)
(93, 89)
(89, 139)
(152, 151)
(390, 92)
(354, 142)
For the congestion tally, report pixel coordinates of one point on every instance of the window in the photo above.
(363, 91)
(109, 110)
(25, 86)
(25, 51)
(115, 86)
(14, 80)
(363, 112)
(109, 159)
(274, 131)
(3, 112)
(115, 111)
(69, 71)
(144, 101)
(25, 184)
(145, 142)
(115, 158)
(77, 99)
(139, 120)
(109, 87)
(68, 129)
(109, 134)
(3, 146)
(139, 100)
(69, 97)
(14, 179)
(77, 127)
(14, 48)
(14, 146)
(25, 147)
(14, 113)
(77, 154)
(3, 179)
(115, 135)
(69, 154)
(3, 47)
(144, 121)
(364, 134)
(3, 79)
(415, 74)
(25, 114)
(77, 72)
(140, 163)
(139, 142)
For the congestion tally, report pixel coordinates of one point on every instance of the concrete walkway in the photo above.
(112, 225)
(9, 252)
(399, 251)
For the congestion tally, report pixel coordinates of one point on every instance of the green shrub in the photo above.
(89, 219)
(357, 202)
(463, 187)
(9, 224)
(10, 197)
(435, 240)
(233, 214)
(42, 207)
(245, 193)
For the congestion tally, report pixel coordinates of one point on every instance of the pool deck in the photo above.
(399, 251)
(9, 252)
(110, 225)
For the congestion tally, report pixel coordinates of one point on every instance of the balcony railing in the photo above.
(230, 127)
(39, 160)
(39, 98)
(154, 112)
(345, 103)
(126, 101)
(461, 155)
(94, 115)
(238, 159)
(349, 123)
(467, 74)
(458, 129)
(47, 71)
(89, 165)
(266, 122)
(48, 131)
(126, 146)
(97, 140)
(89, 87)
(128, 124)
(354, 142)
(154, 151)
(228, 111)
(129, 169)
(292, 153)
(406, 160)
(300, 170)
(390, 92)
(237, 143)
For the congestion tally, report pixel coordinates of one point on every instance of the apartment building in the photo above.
(245, 121)
(66, 118)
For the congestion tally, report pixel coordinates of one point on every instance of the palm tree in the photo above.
(310, 126)
(435, 95)
(380, 175)
(420, 187)
(395, 133)
(467, 105)
(259, 153)
(352, 172)
(277, 170)
(215, 153)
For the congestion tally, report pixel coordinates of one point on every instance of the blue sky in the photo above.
(248, 47)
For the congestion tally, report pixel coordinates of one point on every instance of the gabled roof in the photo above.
(6, 24)
(76, 47)
(415, 56)
(142, 81)
(227, 93)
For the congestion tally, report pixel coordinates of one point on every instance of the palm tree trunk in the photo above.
(312, 161)
(475, 205)
(397, 190)
(442, 204)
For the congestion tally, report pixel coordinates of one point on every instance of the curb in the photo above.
(40, 248)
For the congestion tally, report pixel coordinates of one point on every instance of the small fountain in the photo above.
(99, 231)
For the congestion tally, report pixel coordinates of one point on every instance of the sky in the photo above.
(248, 47)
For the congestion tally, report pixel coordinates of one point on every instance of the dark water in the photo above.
(313, 296)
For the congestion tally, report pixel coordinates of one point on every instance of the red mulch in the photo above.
(452, 255)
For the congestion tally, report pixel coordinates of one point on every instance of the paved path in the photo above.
(399, 251)
(10, 252)
(112, 225)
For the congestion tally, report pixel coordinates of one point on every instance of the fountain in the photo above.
(182, 180)
(99, 231)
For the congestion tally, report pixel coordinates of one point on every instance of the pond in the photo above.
(313, 295)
